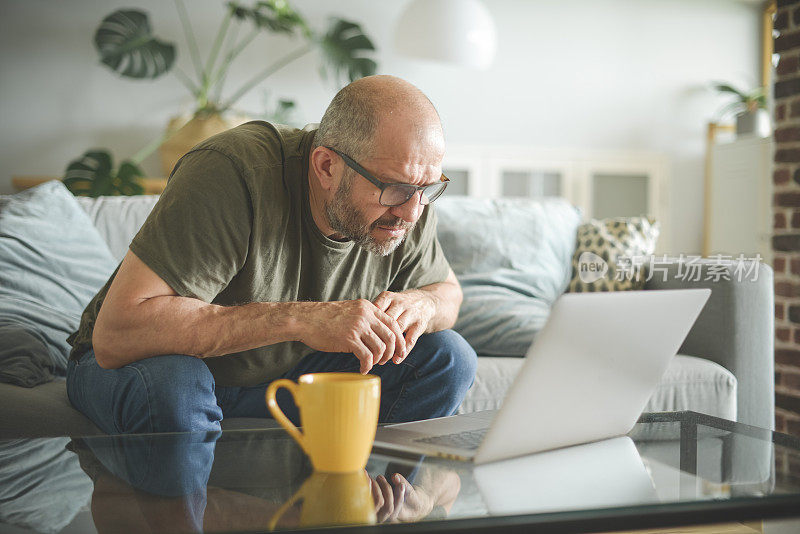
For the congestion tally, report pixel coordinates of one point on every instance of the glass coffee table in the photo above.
(673, 469)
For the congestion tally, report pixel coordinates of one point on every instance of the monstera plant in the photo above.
(126, 44)
(93, 175)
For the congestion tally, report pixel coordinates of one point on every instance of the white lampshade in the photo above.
(456, 31)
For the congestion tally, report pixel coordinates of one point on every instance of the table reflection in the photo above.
(245, 480)
(148, 482)
(42, 486)
(333, 499)
(209, 482)
(427, 493)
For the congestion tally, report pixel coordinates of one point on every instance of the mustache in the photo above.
(394, 222)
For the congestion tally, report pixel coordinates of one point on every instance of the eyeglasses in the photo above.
(397, 194)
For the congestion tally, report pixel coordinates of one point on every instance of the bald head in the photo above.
(366, 116)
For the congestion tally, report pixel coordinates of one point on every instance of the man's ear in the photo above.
(325, 167)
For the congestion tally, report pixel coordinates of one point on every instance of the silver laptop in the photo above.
(587, 377)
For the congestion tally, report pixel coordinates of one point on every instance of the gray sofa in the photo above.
(724, 368)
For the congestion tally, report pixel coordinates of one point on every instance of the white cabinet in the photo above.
(601, 183)
(740, 198)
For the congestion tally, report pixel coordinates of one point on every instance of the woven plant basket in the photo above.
(188, 133)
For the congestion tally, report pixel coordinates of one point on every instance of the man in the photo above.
(275, 252)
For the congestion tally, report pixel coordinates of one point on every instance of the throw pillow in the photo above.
(611, 254)
(52, 262)
(512, 258)
(25, 357)
(117, 219)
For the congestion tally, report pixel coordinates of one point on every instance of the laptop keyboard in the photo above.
(469, 439)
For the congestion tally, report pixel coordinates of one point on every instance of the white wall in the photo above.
(604, 74)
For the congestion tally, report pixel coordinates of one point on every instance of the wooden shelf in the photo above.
(152, 186)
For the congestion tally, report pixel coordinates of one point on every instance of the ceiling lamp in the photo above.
(455, 31)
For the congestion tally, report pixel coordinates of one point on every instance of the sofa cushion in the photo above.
(118, 218)
(689, 383)
(512, 258)
(45, 411)
(52, 262)
(696, 384)
(620, 245)
(41, 411)
(25, 356)
(492, 381)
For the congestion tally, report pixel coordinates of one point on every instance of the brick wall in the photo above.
(786, 222)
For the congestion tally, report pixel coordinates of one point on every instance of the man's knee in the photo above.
(179, 393)
(453, 354)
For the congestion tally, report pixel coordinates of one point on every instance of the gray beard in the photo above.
(348, 221)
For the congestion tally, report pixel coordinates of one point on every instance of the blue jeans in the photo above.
(176, 393)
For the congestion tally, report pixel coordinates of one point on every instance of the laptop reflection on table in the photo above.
(602, 474)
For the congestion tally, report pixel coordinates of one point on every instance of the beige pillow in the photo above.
(612, 254)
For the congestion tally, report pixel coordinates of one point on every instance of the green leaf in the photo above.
(275, 15)
(283, 111)
(732, 107)
(92, 175)
(126, 179)
(129, 171)
(758, 97)
(344, 49)
(126, 45)
(78, 186)
(727, 88)
(239, 12)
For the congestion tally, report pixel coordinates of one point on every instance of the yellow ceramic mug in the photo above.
(339, 416)
(331, 499)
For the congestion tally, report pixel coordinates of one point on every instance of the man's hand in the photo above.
(413, 311)
(399, 500)
(356, 326)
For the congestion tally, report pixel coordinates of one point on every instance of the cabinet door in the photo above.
(740, 220)
(629, 187)
(460, 179)
(620, 195)
(531, 183)
(467, 170)
(530, 177)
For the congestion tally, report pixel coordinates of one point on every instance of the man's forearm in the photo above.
(445, 299)
(180, 325)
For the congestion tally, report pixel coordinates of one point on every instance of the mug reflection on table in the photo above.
(333, 499)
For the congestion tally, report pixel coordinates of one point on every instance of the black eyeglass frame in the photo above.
(350, 162)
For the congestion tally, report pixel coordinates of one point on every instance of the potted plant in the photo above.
(93, 175)
(749, 108)
(127, 45)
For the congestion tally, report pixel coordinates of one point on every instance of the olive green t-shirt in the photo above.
(234, 226)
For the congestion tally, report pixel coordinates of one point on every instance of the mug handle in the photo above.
(276, 412)
(273, 522)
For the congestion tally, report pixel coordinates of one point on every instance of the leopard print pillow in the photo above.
(612, 254)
